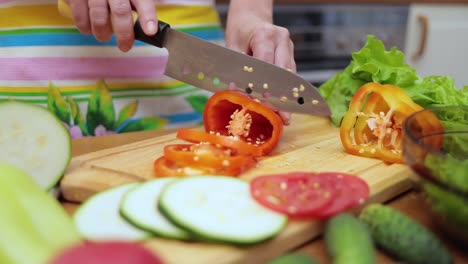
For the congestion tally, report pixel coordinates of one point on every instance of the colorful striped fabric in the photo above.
(93, 87)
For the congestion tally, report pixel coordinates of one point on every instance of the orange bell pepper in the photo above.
(373, 125)
(231, 113)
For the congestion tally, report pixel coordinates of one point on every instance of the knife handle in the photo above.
(157, 39)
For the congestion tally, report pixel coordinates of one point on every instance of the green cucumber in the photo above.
(348, 240)
(403, 237)
(98, 218)
(219, 209)
(140, 207)
(293, 258)
(451, 207)
(33, 139)
(33, 224)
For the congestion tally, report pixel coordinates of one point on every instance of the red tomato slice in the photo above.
(309, 195)
(295, 194)
(207, 155)
(239, 146)
(351, 191)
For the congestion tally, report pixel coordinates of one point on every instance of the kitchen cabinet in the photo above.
(436, 40)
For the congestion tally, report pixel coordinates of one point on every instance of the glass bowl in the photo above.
(435, 146)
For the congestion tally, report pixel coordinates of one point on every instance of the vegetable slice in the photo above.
(99, 219)
(166, 168)
(208, 155)
(140, 207)
(308, 194)
(296, 194)
(219, 208)
(239, 146)
(351, 191)
(33, 139)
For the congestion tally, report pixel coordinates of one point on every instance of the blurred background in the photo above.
(432, 35)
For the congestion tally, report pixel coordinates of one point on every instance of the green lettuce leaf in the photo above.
(373, 63)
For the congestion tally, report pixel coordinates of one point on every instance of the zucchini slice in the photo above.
(140, 207)
(219, 209)
(34, 140)
(98, 218)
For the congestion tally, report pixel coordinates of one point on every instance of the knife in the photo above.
(213, 68)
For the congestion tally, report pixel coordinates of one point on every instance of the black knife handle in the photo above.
(157, 39)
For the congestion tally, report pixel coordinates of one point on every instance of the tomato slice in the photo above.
(239, 146)
(351, 191)
(309, 195)
(295, 194)
(207, 155)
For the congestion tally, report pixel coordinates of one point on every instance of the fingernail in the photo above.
(151, 27)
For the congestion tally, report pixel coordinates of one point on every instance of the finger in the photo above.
(100, 19)
(263, 44)
(232, 43)
(293, 65)
(122, 23)
(284, 50)
(147, 15)
(80, 15)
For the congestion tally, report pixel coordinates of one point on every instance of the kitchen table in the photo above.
(410, 202)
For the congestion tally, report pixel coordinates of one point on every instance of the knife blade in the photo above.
(214, 68)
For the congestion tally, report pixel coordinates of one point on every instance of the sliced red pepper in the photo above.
(373, 125)
(166, 168)
(207, 155)
(231, 113)
(239, 146)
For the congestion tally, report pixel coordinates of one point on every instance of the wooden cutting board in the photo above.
(308, 144)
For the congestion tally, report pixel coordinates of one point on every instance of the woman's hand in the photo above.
(250, 30)
(101, 18)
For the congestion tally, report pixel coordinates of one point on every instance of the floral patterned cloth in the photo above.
(93, 87)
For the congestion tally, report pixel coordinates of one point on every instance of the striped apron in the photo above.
(93, 87)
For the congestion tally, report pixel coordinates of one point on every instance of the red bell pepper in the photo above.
(231, 113)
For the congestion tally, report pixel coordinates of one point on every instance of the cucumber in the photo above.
(451, 207)
(20, 241)
(293, 258)
(46, 214)
(403, 237)
(219, 209)
(35, 140)
(140, 207)
(348, 240)
(98, 218)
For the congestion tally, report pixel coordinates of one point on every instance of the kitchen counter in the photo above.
(409, 203)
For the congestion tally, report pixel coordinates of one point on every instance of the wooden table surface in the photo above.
(410, 203)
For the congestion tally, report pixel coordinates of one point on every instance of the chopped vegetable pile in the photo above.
(237, 130)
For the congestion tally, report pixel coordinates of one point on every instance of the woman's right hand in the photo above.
(102, 18)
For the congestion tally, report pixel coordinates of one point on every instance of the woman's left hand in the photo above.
(250, 30)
